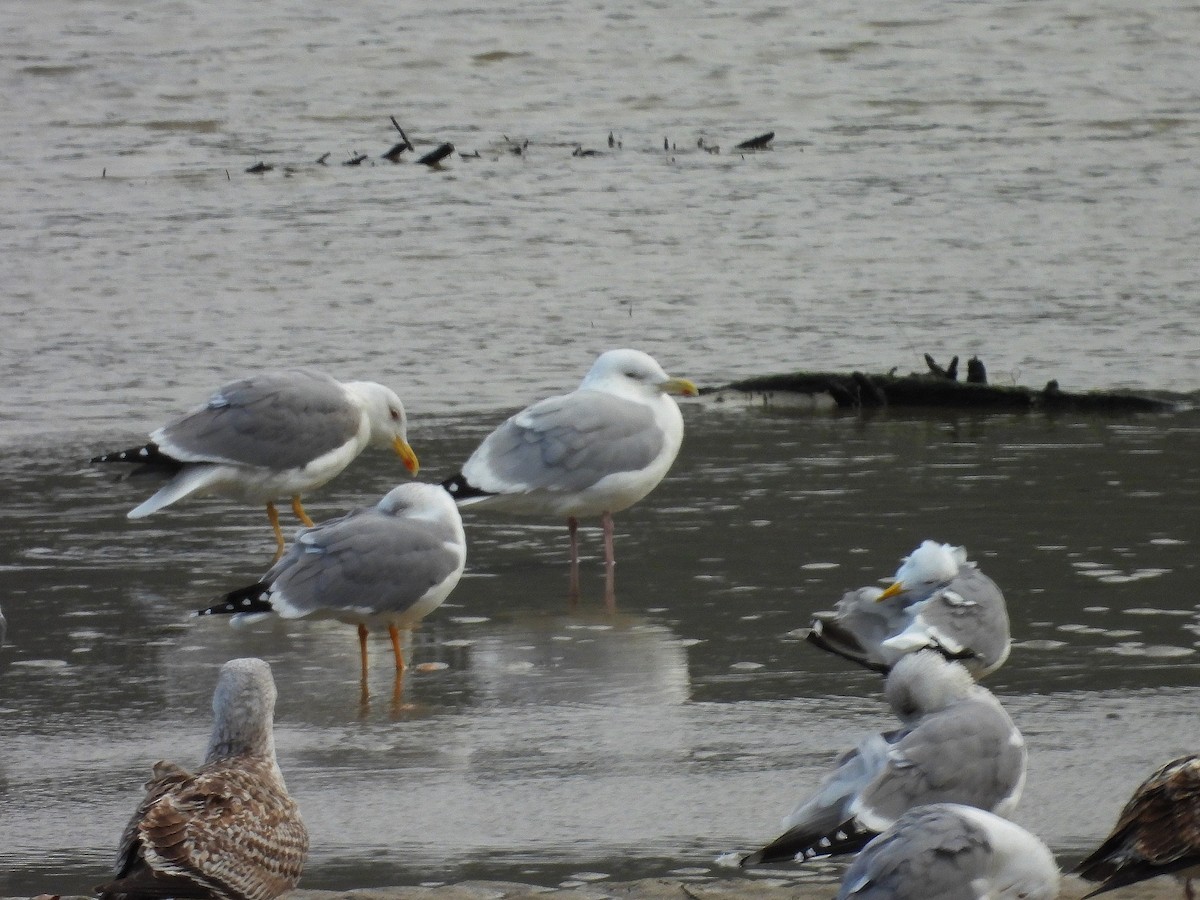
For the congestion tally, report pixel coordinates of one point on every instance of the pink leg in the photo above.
(610, 563)
(572, 529)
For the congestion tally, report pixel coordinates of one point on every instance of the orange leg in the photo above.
(298, 509)
(273, 515)
(394, 632)
(362, 650)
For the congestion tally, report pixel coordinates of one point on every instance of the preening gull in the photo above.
(958, 745)
(230, 830)
(947, 851)
(385, 565)
(277, 434)
(593, 452)
(1157, 833)
(937, 601)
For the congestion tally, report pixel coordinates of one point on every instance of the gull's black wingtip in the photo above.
(460, 489)
(254, 598)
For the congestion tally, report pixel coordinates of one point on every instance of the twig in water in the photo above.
(403, 136)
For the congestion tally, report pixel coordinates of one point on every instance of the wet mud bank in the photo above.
(769, 888)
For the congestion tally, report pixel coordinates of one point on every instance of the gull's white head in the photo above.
(634, 373)
(417, 500)
(243, 710)
(1021, 867)
(389, 423)
(929, 567)
(924, 683)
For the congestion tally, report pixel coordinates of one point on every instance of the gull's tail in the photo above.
(253, 598)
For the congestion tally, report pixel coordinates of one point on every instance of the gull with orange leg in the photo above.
(383, 566)
(272, 435)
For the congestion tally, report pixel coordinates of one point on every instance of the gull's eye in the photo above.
(634, 375)
(395, 414)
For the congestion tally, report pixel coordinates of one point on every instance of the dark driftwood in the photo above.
(858, 390)
(757, 143)
(433, 157)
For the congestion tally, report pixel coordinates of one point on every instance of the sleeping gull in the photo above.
(947, 851)
(229, 831)
(958, 745)
(278, 434)
(1157, 833)
(938, 600)
(593, 452)
(385, 565)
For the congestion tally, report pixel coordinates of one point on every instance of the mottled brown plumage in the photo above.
(230, 831)
(1158, 832)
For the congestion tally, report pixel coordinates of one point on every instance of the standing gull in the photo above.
(947, 851)
(1158, 832)
(385, 565)
(278, 434)
(938, 600)
(593, 452)
(230, 831)
(958, 745)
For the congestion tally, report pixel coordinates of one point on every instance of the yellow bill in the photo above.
(680, 386)
(406, 454)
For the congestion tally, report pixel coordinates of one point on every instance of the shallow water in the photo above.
(1009, 179)
(536, 741)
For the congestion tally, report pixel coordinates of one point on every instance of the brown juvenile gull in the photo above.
(938, 600)
(958, 745)
(1157, 833)
(592, 452)
(947, 851)
(230, 831)
(277, 434)
(387, 565)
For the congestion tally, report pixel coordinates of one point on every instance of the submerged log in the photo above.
(757, 143)
(858, 390)
(433, 157)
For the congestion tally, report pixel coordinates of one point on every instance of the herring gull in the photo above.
(1157, 833)
(277, 434)
(387, 565)
(938, 600)
(958, 745)
(947, 851)
(229, 831)
(592, 452)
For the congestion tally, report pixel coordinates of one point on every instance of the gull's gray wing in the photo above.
(965, 620)
(366, 562)
(930, 854)
(276, 420)
(859, 625)
(565, 444)
(822, 823)
(969, 753)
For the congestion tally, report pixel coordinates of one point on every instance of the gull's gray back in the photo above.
(565, 444)
(971, 611)
(969, 753)
(366, 563)
(930, 855)
(277, 420)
